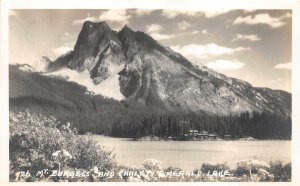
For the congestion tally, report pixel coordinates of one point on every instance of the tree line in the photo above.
(263, 125)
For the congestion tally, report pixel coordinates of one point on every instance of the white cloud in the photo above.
(196, 51)
(284, 66)
(204, 31)
(195, 32)
(88, 18)
(273, 22)
(61, 50)
(66, 36)
(287, 15)
(159, 36)
(155, 31)
(142, 12)
(208, 13)
(183, 25)
(249, 10)
(251, 37)
(222, 64)
(111, 16)
(115, 16)
(276, 80)
(215, 12)
(174, 13)
(153, 28)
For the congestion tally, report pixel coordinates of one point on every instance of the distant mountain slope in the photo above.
(159, 77)
(71, 102)
(66, 100)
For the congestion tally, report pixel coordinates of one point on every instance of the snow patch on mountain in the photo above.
(26, 68)
(259, 96)
(108, 88)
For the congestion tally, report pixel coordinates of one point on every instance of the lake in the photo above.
(189, 155)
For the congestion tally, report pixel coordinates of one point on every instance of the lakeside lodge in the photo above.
(194, 134)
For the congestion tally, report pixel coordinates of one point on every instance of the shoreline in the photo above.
(149, 138)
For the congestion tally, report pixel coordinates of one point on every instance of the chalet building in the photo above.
(193, 133)
(212, 136)
(203, 135)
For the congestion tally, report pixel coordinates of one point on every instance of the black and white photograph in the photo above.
(150, 94)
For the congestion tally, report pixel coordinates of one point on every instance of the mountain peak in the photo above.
(126, 31)
(92, 41)
(92, 25)
(157, 76)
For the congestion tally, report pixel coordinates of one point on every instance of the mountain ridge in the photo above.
(155, 75)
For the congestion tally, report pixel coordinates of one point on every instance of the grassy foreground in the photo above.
(44, 149)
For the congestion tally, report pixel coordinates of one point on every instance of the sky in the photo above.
(252, 45)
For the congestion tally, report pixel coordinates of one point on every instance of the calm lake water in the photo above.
(189, 155)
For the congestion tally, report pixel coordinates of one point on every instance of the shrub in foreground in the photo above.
(217, 167)
(37, 143)
(280, 171)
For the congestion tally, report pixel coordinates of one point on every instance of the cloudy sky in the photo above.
(252, 45)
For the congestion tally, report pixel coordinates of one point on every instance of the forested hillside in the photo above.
(72, 103)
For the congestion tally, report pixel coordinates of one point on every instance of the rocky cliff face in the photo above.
(97, 50)
(159, 77)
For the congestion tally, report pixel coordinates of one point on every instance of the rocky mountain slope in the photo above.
(132, 65)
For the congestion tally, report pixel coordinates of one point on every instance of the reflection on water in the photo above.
(189, 155)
